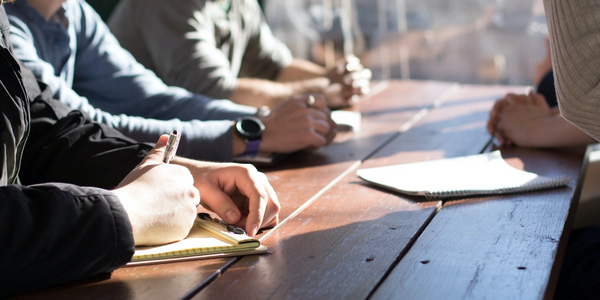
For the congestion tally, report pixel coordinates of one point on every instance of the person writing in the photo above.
(225, 49)
(76, 196)
(68, 47)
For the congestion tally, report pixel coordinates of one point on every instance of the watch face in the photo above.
(250, 127)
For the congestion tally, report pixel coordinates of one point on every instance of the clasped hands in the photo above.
(348, 80)
(520, 119)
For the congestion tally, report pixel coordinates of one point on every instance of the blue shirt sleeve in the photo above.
(109, 85)
(109, 73)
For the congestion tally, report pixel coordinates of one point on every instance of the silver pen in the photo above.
(172, 145)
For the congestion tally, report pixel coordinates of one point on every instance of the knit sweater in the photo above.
(574, 28)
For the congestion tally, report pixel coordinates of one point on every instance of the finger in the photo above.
(271, 217)
(253, 188)
(510, 99)
(499, 136)
(348, 64)
(493, 121)
(522, 99)
(272, 223)
(321, 126)
(320, 103)
(316, 140)
(155, 156)
(348, 91)
(360, 75)
(219, 202)
(490, 126)
(352, 59)
(365, 89)
(529, 91)
(331, 134)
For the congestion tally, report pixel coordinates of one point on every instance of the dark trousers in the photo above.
(580, 274)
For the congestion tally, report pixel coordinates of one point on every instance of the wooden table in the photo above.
(340, 238)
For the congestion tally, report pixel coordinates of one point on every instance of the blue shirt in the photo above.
(77, 56)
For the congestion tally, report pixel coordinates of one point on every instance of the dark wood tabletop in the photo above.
(340, 238)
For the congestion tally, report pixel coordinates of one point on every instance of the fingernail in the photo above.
(231, 216)
(253, 230)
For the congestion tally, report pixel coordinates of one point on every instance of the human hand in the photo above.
(349, 79)
(294, 125)
(521, 120)
(160, 199)
(238, 193)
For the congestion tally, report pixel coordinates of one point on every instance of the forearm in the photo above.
(556, 132)
(204, 140)
(300, 70)
(574, 35)
(258, 92)
(58, 233)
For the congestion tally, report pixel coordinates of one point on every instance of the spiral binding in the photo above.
(556, 182)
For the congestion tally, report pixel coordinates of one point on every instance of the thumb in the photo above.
(155, 156)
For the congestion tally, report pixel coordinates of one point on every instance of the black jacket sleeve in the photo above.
(66, 146)
(53, 233)
(56, 233)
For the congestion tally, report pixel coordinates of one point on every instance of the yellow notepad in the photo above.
(208, 238)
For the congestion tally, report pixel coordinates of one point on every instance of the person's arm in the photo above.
(528, 121)
(56, 233)
(50, 233)
(574, 40)
(107, 79)
(202, 140)
(180, 44)
(258, 92)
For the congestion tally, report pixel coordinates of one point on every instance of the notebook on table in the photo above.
(208, 238)
(483, 174)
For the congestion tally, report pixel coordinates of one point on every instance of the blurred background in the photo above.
(467, 41)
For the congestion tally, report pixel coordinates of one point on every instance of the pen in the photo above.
(171, 147)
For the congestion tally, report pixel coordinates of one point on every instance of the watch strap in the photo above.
(252, 146)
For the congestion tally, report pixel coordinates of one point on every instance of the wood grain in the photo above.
(493, 247)
(346, 241)
(296, 181)
(304, 174)
(162, 281)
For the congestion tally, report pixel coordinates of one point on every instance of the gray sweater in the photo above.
(574, 27)
(200, 45)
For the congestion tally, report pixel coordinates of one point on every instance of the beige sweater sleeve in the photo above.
(574, 27)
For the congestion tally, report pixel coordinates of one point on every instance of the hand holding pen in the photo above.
(160, 199)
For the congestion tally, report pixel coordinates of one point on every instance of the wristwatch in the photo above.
(250, 129)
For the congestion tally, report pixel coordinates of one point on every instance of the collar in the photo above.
(60, 17)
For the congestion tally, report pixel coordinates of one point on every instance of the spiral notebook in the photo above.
(483, 174)
(208, 238)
